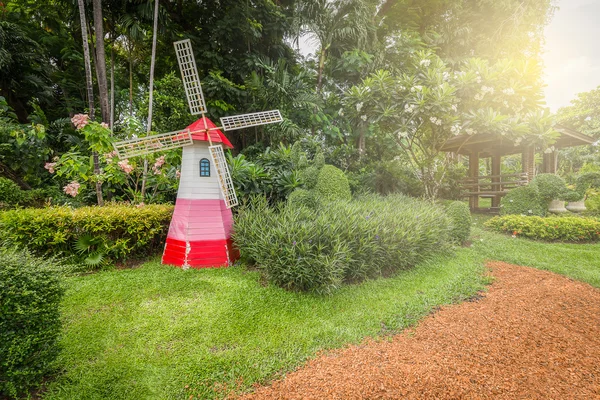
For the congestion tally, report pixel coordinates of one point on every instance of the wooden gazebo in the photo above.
(496, 185)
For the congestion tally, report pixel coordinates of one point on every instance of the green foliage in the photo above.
(118, 232)
(567, 229)
(303, 198)
(571, 196)
(589, 180)
(310, 176)
(10, 193)
(317, 250)
(524, 201)
(550, 187)
(30, 294)
(459, 215)
(592, 201)
(332, 184)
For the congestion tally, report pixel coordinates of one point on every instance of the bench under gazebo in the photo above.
(496, 185)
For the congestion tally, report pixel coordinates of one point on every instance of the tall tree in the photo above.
(90, 91)
(101, 60)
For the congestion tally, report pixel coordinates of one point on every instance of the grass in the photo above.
(157, 332)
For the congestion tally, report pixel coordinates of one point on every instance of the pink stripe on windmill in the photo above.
(200, 231)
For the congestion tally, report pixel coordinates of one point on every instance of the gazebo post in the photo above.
(550, 163)
(496, 179)
(474, 175)
(528, 161)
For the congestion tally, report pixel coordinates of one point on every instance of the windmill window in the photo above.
(204, 167)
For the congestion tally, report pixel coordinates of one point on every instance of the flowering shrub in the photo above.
(567, 229)
(305, 249)
(124, 177)
(124, 231)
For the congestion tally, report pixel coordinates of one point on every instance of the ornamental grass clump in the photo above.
(304, 249)
(460, 221)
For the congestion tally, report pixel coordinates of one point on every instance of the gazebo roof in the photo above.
(487, 144)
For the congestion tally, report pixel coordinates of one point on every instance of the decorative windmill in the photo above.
(200, 231)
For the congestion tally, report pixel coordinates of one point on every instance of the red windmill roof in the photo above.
(198, 130)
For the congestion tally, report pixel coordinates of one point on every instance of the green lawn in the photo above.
(159, 332)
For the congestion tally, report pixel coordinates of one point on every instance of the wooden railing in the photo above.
(492, 185)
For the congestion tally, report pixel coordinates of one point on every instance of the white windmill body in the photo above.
(200, 231)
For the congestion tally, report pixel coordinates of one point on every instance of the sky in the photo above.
(572, 56)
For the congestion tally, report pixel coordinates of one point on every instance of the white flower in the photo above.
(363, 117)
(409, 108)
(446, 76)
(510, 201)
(509, 91)
(341, 112)
(455, 129)
(470, 131)
(433, 120)
(359, 106)
(479, 96)
(416, 88)
(454, 107)
(425, 63)
(530, 211)
(478, 80)
(587, 119)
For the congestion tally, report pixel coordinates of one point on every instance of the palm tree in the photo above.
(333, 22)
(90, 90)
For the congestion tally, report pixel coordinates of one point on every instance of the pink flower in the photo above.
(178, 174)
(104, 125)
(50, 166)
(125, 166)
(141, 205)
(159, 161)
(80, 120)
(72, 189)
(110, 155)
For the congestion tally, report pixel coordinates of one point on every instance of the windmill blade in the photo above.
(152, 144)
(189, 75)
(253, 119)
(226, 183)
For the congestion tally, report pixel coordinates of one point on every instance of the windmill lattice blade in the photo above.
(253, 119)
(226, 183)
(152, 144)
(189, 75)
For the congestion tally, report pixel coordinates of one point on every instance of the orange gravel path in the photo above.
(533, 335)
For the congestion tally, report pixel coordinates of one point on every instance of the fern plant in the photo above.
(93, 248)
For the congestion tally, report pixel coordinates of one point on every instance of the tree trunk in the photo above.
(151, 88)
(101, 60)
(112, 88)
(321, 67)
(90, 91)
(9, 173)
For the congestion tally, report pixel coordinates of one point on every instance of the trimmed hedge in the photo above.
(30, 294)
(567, 229)
(332, 184)
(122, 231)
(523, 200)
(550, 187)
(298, 248)
(460, 221)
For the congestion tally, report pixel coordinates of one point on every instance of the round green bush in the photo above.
(30, 293)
(523, 200)
(10, 193)
(303, 198)
(460, 221)
(332, 184)
(549, 186)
